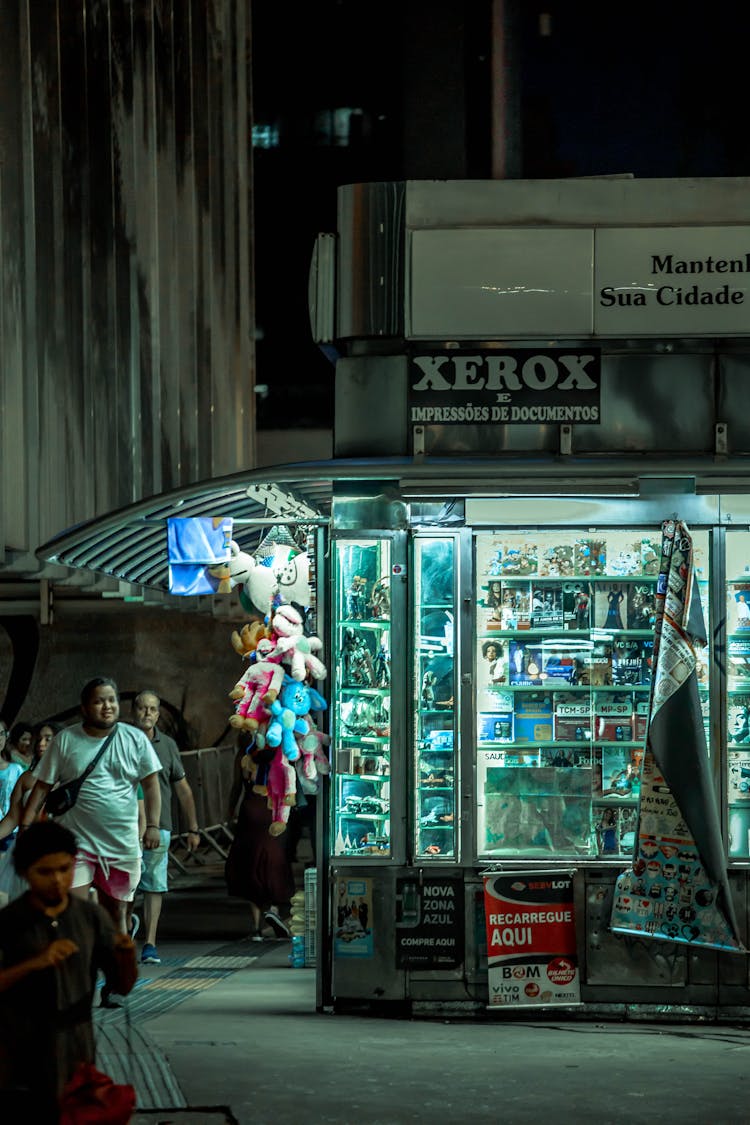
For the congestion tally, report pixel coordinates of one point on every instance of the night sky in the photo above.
(655, 90)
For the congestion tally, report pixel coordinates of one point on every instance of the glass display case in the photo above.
(435, 741)
(563, 668)
(738, 691)
(362, 705)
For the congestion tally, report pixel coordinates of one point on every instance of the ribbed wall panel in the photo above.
(126, 304)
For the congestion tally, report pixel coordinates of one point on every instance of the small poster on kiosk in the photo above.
(429, 922)
(532, 957)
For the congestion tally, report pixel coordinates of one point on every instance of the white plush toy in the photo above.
(294, 581)
(296, 650)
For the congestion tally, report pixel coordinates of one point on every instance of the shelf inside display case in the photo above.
(362, 703)
(435, 741)
(563, 673)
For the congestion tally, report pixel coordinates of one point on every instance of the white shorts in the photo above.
(118, 878)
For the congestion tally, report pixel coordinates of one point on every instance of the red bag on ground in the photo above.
(92, 1098)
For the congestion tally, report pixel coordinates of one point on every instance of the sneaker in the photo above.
(135, 925)
(277, 924)
(107, 1000)
(257, 937)
(149, 956)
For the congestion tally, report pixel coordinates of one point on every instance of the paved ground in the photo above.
(224, 1022)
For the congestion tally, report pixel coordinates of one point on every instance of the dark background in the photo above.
(655, 90)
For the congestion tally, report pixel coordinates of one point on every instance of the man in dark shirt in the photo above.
(154, 882)
(51, 946)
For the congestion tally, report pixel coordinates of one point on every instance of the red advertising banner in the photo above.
(532, 956)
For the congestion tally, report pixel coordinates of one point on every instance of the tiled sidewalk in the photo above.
(127, 1053)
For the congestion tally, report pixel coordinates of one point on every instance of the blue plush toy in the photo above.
(295, 701)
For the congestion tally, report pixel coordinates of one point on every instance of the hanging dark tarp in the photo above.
(677, 888)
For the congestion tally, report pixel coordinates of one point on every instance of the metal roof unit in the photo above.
(130, 544)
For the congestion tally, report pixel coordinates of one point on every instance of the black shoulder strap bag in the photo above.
(62, 798)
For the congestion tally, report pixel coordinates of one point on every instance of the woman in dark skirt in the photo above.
(258, 867)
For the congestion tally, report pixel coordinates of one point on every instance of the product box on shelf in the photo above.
(738, 720)
(738, 607)
(613, 717)
(532, 717)
(497, 727)
(738, 663)
(600, 671)
(620, 776)
(556, 559)
(525, 664)
(650, 555)
(566, 756)
(492, 697)
(490, 606)
(572, 717)
(547, 606)
(589, 555)
(624, 551)
(577, 599)
(516, 604)
(492, 666)
(519, 557)
(611, 605)
(438, 740)
(739, 775)
(641, 611)
(631, 661)
(640, 719)
(614, 829)
(565, 663)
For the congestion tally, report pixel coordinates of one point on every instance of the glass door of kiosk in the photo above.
(436, 699)
(361, 719)
(563, 669)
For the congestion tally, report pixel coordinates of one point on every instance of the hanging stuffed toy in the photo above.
(258, 688)
(282, 792)
(294, 584)
(298, 652)
(291, 717)
(313, 761)
(246, 640)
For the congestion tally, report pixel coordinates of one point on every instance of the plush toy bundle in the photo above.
(274, 699)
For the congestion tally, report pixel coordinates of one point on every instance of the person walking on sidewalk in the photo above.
(154, 875)
(51, 946)
(104, 818)
(257, 867)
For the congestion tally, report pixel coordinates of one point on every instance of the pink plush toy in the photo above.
(277, 781)
(257, 688)
(282, 791)
(313, 761)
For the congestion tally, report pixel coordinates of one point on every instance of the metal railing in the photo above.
(209, 773)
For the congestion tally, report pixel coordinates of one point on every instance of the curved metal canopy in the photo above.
(130, 544)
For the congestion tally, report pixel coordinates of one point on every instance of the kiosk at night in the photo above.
(535, 383)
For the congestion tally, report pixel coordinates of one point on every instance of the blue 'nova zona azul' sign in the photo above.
(515, 387)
